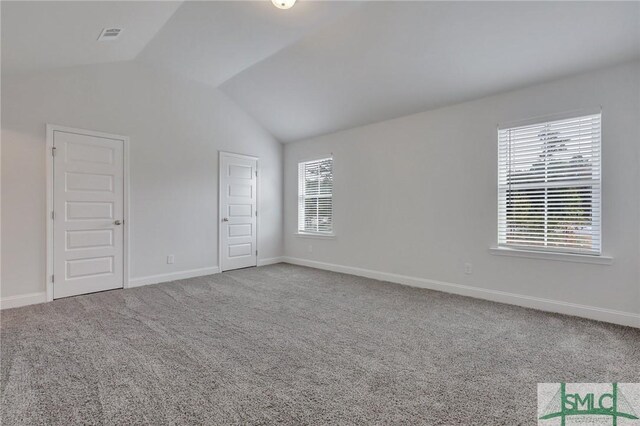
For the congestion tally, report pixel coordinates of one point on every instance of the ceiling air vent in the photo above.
(110, 34)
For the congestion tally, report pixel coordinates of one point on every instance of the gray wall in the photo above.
(176, 129)
(416, 196)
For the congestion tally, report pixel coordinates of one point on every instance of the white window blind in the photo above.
(315, 196)
(549, 187)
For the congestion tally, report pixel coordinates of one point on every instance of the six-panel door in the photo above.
(89, 210)
(238, 199)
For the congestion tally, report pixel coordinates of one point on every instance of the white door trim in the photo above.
(51, 128)
(220, 213)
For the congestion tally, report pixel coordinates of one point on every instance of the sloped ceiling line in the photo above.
(324, 66)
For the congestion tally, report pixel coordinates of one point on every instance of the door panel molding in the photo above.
(50, 130)
(230, 209)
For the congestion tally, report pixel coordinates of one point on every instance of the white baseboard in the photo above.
(23, 300)
(591, 312)
(172, 276)
(269, 261)
(33, 298)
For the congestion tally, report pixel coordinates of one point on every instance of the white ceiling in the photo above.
(395, 58)
(323, 66)
(52, 34)
(211, 41)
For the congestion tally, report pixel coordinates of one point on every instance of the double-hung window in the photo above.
(549, 190)
(315, 197)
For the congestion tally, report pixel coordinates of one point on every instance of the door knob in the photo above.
(117, 222)
(225, 219)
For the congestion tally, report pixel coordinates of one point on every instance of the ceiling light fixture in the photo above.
(283, 4)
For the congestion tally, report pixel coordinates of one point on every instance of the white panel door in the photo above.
(238, 204)
(88, 231)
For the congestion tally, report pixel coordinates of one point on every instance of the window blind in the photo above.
(549, 185)
(315, 196)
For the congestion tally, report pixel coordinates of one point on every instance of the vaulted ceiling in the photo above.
(213, 41)
(39, 35)
(324, 66)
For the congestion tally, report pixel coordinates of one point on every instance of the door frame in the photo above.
(51, 128)
(222, 154)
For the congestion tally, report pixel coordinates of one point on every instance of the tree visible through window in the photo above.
(549, 185)
(315, 196)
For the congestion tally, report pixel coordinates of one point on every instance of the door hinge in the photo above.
(256, 252)
(53, 151)
(256, 213)
(53, 215)
(53, 278)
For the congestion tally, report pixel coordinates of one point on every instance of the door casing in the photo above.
(220, 212)
(51, 128)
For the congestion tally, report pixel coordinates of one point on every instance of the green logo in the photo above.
(589, 399)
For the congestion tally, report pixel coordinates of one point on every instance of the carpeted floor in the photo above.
(294, 345)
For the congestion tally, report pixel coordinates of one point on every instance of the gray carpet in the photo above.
(293, 345)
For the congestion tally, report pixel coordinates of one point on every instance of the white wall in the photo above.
(176, 129)
(416, 196)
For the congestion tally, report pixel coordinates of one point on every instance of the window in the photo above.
(315, 196)
(549, 186)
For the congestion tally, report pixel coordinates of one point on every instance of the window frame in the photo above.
(550, 252)
(310, 233)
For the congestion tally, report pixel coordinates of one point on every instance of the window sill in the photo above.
(310, 235)
(545, 255)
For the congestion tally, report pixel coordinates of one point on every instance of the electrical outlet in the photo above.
(170, 259)
(310, 248)
(467, 268)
